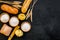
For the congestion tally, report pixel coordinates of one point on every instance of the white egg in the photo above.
(26, 26)
(14, 21)
(4, 18)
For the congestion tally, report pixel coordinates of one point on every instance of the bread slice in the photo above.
(6, 30)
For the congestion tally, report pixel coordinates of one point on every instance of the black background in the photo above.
(46, 22)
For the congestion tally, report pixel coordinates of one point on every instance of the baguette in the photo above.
(9, 9)
(24, 2)
(13, 33)
(25, 6)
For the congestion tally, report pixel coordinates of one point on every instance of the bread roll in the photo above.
(9, 9)
(25, 6)
(21, 16)
(19, 33)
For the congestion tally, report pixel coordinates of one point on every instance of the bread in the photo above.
(25, 6)
(21, 16)
(9, 9)
(19, 33)
(6, 30)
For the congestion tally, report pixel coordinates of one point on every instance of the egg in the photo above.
(4, 17)
(25, 26)
(14, 21)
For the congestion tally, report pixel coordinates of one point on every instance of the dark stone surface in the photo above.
(46, 22)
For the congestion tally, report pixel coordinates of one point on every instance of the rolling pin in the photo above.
(25, 6)
(13, 33)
